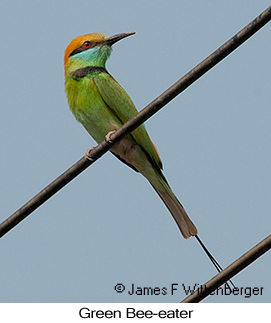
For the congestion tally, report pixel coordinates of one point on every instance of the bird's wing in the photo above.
(119, 101)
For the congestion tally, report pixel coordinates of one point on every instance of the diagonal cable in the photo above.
(136, 121)
(233, 269)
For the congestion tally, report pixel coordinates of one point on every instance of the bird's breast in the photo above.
(90, 109)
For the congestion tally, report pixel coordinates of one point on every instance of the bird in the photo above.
(102, 106)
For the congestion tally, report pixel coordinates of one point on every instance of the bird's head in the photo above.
(90, 50)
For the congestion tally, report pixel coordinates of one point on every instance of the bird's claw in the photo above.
(87, 154)
(108, 137)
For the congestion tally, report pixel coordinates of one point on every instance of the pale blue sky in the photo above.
(108, 226)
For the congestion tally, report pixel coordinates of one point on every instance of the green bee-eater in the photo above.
(101, 105)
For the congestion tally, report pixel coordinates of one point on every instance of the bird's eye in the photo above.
(87, 44)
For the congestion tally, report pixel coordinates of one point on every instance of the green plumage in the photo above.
(101, 105)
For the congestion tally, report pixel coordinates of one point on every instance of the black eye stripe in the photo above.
(81, 49)
(77, 50)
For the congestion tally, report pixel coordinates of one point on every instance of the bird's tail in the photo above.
(178, 212)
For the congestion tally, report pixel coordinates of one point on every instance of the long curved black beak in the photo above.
(113, 39)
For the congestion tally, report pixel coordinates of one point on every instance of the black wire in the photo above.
(214, 262)
(230, 271)
(133, 123)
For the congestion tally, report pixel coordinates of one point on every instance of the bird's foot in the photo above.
(88, 153)
(108, 137)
